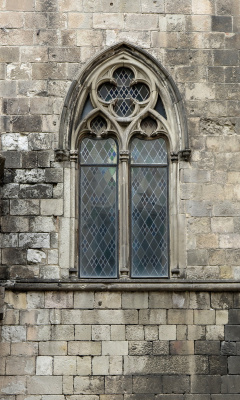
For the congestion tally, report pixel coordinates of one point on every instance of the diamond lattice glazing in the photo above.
(99, 151)
(149, 227)
(98, 222)
(123, 92)
(148, 125)
(148, 151)
(98, 125)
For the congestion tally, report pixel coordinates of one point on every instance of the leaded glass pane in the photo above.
(160, 107)
(148, 151)
(101, 151)
(98, 125)
(123, 92)
(149, 224)
(148, 125)
(87, 108)
(98, 222)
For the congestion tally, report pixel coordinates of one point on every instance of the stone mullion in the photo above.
(123, 214)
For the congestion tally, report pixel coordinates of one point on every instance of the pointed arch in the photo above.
(124, 52)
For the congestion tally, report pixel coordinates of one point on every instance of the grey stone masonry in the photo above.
(64, 344)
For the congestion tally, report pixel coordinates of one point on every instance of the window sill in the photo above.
(123, 285)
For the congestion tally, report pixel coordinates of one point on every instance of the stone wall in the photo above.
(112, 345)
(106, 345)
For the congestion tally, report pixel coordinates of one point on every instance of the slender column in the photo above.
(73, 217)
(173, 198)
(123, 213)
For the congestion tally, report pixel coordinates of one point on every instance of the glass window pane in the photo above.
(148, 151)
(98, 221)
(149, 222)
(102, 151)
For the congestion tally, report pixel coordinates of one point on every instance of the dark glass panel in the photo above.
(87, 108)
(98, 125)
(160, 108)
(98, 222)
(98, 151)
(149, 222)
(148, 151)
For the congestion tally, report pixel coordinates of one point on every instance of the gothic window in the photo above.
(126, 134)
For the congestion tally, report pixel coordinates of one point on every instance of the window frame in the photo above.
(175, 133)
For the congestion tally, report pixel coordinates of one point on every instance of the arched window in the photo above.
(126, 131)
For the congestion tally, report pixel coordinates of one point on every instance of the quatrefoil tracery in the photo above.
(123, 92)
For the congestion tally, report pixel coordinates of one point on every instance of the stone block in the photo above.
(221, 317)
(114, 21)
(53, 348)
(24, 349)
(42, 224)
(84, 366)
(228, 348)
(83, 332)
(214, 332)
(151, 332)
(196, 332)
(62, 332)
(115, 365)
(59, 300)
(51, 207)
(29, 159)
(207, 347)
(145, 365)
(100, 365)
(206, 384)
(134, 332)
(29, 176)
(160, 300)
(34, 240)
(65, 365)
(221, 23)
(83, 300)
(14, 333)
(40, 141)
(9, 240)
(149, 21)
(36, 191)
(197, 257)
(118, 332)
(176, 384)
(13, 159)
(54, 175)
(44, 385)
(182, 347)
(44, 365)
(135, 300)
(199, 300)
(234, 317)
(34, 317)
(118, 384)
(107, 300)
(140, 348)
(148, 384)
(152, 317)
(36, 256)
(14, 141)
(89, 384)
(5, 349)
(13, 256)
(27, 123)
(96, 317)
(161, 347)
(15, 364)
(38, 333)
(218, 365)
(100, 332)
(180, 317)
(114, 348)
(24, 207)
(85, 348)
(204, 317)
(167, 331)
(12, 385)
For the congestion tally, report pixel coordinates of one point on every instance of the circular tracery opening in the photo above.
(123, 92)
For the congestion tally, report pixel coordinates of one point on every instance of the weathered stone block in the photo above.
(100, 365)
(44, 365)
(214, 332)
(176, 384)
(167, 331)
(134, 332)
(65, 365)
(118, 384)
(34, 317)
(27, 123)
(34, 240)
(89, 384)
(118, 332)
(12, 385)
(100, 332)
(207, 347)
(204, 317)
(180, 317)
(59, 300)
(230, 384)
(24, 349)
(84, 365)
(148, 384)
(44, 385)
(140, 348)
(51, 207)
(40, 141)
(152, 317)
(13, 256)
(221, 23)
(161, 347)
(62, 332)
(14, 333)
(228, 348)
(85, 348)
(160, 300)
(181, 347)
(218, 365)
(37, 191)
(206, 384)
(53, 348)
(114, 348)
(107, 300)
(13, 159)
(38, 333)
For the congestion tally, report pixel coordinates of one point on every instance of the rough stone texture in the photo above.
(118, 345)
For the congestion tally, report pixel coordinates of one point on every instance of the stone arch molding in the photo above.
(83, 104)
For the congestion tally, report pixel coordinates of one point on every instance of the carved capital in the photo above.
(124, 155)
(62, 155)
(174, 157)
(74, 155)
(185, 154)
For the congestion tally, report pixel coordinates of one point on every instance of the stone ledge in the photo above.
(126, 285)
